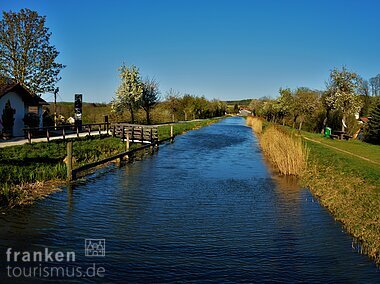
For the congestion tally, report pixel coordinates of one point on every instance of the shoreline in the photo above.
(26, 193)
(349, 197)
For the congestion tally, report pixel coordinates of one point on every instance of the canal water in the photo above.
(203, 209)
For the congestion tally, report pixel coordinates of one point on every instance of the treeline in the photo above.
(346, 98)
(135, 94)
(186, 106)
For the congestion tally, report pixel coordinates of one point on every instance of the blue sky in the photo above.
(221, 49)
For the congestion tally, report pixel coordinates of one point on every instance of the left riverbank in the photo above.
(33, 171)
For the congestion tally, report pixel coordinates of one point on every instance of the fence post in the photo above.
(171, 134)
(29, 137)
(151, 148)
(113, 131)
(142, 135)
(122, 133)
(63, 133)
(69, 161)
(89, 130)
(47, 134)
(133, 133)
(100, 130)
(127, 141)
(77, 132)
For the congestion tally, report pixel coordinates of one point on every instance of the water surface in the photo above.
(205, 208)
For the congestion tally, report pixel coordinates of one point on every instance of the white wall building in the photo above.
(23, 102)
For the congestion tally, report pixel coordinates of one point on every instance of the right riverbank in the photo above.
(345, 177)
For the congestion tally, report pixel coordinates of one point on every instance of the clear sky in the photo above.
(221, 49)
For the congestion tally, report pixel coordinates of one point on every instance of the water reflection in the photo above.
(205, 208)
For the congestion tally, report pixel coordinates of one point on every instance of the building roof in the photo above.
(364, 119)
(9, 86)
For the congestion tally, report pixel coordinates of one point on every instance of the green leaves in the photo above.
(342, 91)
(25, 51)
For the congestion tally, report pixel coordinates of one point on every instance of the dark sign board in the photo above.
(78, 110)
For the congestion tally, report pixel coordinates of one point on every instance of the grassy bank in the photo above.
(29, 171)
(164, 131)
(349, 187)
(345, 176)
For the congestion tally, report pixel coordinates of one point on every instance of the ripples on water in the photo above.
(204, 209)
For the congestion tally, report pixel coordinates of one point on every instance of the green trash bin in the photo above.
(327, 131)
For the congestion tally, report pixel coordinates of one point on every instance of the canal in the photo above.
(203, 209)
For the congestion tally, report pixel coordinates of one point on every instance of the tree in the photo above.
(343, 93)
(307, 103)
(8, 118)
(173, 101)
(187, 103)
(285, 104)
(373, 132)
(363, 91)
(26, 55)
(375, 85)
(149, 97)
(129, 92)
(236, 108)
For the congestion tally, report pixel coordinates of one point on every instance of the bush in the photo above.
(31, 119)
(372, 134)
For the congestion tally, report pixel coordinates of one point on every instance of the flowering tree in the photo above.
(343, 93)
(129, 92)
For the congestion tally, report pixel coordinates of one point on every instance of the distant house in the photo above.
(244, 112)
(22, 101)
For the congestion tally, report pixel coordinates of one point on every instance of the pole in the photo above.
(55, 107)
(171, 134)
(127, 141)
(69, 161)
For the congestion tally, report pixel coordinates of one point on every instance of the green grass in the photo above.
(29, 163)
(363, 149)
(164, 130)
(44, 161)
(348, 165)
(347, 185)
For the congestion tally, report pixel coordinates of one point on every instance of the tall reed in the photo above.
(286, 152)
(255, 123)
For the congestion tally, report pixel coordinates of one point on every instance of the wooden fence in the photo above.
(130, 133)
(65, 130)
(136, 133)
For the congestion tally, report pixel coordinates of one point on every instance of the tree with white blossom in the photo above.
(343, 93)
(129, 92)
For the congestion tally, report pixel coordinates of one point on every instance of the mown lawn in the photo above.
(363, 149)
(348, 186)
(43, 161)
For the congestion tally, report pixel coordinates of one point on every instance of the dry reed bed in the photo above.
(286, 152)
(255, 123)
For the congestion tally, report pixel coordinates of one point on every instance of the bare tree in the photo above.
(375, 85)
(149, 97)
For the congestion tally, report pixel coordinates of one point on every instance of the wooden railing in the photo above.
(64, 130)
(135, 132)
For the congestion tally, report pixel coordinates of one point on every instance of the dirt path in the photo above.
(343, 151)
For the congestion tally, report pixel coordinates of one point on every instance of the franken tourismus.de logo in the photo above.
(47, 263)
(95, 247)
